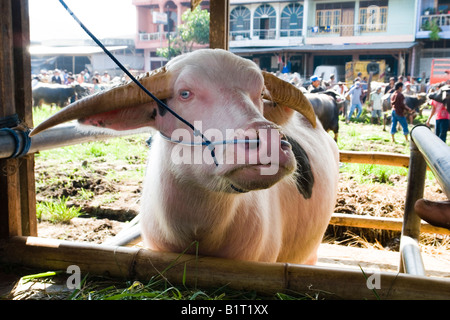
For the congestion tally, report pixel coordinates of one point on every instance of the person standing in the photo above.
(56, 78)
(391, 85)
(399, 108)
(376, 104)
(315, 85)
(355, 94)
(442, 119)
(106, 78)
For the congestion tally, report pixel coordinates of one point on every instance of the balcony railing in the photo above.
(239, 35)
(345, 30)
(442, 20)
(156, 36)
(291, 32)
(262, 34)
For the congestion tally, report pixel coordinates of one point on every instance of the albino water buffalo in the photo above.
(271, 204)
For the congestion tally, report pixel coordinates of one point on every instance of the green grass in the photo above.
(57, 211)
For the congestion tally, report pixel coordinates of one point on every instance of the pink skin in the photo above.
(181, 203)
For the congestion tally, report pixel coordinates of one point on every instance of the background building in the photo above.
(301, 35)
(151, 33)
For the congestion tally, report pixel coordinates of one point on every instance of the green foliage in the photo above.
(174, 50)
(195, 29)
(56, 212)
(433, 27)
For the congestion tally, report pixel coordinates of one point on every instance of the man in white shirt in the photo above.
(355, 94)
(377, 105)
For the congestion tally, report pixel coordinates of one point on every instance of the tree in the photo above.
(195, 29)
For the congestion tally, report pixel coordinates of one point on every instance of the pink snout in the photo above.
(261, 147)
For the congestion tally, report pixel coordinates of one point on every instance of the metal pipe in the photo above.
(411, 221)
(410, 256)
(436, 153)
(59, 136)
(414, 191)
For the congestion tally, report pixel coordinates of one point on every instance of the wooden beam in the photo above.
(380, 223)
(17, 185)
(381, 158)
(24, 108)
(219, 30)
(10, 215)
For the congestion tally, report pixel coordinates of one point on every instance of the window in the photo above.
(328, 20)
(264, 22)
(373, 16)
(292, 20)
(240, 23)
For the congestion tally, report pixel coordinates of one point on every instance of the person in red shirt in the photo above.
(399, 111)
(442, 119)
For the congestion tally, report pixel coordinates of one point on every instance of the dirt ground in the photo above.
(103, 221)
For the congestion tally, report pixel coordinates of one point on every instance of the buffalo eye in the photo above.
(185, 94)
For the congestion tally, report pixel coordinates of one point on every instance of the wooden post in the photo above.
(219, 30)
(17, 185)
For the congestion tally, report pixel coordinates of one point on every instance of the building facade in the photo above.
(303, 34)
(153, 32)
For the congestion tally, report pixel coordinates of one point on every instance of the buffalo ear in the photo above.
(286, 98)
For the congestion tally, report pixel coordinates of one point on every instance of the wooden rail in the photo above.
(393, 224)
(18, 220)
(209, 272)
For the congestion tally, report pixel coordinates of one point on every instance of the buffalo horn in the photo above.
(123, 96)
(286, 95)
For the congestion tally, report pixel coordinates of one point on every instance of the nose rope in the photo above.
(211, 145)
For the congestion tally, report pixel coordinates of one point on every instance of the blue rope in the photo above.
(14, 134)
(26, 141)
(6, 125)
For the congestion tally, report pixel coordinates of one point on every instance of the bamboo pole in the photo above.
(209, 272)
(68, 134)
(381, 158)
(394, 224)
(59, 136)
